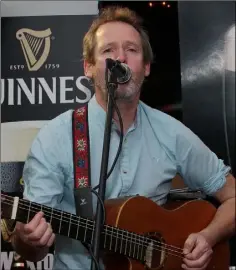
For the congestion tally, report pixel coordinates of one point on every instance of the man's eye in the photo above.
(132, 50)
(107, 50)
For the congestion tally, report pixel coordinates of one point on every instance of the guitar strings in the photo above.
(158, 247)
(142, 239)
(79, 219)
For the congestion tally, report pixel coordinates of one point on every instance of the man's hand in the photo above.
(37, 232)
(197, 252)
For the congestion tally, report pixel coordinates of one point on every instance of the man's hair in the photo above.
(116, 14)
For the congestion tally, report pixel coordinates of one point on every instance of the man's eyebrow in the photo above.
(107, 45)
(128, 42)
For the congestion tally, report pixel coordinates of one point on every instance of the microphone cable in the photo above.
(121, 129)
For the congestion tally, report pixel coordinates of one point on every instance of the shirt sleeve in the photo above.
(43, 174)
(197, 164)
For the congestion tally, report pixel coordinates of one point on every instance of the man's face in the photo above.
(120, 41)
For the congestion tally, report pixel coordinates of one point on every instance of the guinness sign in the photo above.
(42, 71)
(35, 46)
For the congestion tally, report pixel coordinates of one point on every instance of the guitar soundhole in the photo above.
(155, 254)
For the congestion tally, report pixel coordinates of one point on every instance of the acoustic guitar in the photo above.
(138, 234)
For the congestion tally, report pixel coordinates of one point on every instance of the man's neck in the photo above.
(127, 110)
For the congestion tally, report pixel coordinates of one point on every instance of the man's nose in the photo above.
(121, 56)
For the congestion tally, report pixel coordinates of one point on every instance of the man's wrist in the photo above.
(209, 236)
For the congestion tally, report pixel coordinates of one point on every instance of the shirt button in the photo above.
(124, 171)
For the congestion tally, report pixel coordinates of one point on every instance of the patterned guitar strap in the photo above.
(81, 160)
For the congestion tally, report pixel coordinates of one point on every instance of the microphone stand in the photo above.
(111, 82)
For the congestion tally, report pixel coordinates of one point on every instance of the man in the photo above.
(156, 147)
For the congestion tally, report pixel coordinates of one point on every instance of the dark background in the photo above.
(163, 86)
(189, 37)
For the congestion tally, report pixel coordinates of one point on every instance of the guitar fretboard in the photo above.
(113, 239)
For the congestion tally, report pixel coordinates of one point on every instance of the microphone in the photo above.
(120, 70)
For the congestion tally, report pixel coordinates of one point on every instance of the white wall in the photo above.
(38, 8)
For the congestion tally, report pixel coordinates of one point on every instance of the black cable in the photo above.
(121, 128)
(121, 138)
(104, 218)
(102, 204)
(92, 256)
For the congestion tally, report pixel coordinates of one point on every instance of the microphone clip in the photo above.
(119, 71)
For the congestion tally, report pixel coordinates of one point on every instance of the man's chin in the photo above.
(125, 96)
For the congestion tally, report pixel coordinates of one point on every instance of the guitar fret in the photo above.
(136, 246)
(142, 246)
(51, 216)
(130, 244)
(60, 222)
(122, 233)
(126, 243)
(69, 225)
(141, 239)
(105, 237)
(77, 230)
(135, 243)
(86, 227)
(111, 238)
(93, 229)
(139, 245)
(116, 239)
(28, 212)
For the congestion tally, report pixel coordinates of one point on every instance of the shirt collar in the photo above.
(100, 115)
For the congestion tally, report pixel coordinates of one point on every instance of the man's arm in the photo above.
(198, 246)
(223, 224)
(202, 169)
(44, 180)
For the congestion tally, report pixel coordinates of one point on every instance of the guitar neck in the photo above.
(79, 228)
(63, 223)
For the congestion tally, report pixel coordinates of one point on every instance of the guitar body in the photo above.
(169, 226)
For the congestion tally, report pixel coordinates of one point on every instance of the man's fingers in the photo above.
(198, 251)
(30, 227)
(189, 244)
(199, 263)
(39, 231)
(43, 241)
(51, 240)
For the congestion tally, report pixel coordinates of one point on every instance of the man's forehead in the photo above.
(107, 31)
(109, 27)
(105, 38)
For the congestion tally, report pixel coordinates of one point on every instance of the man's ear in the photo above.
(147, 70)
(88, 69)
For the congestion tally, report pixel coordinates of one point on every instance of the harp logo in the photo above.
(35, 46)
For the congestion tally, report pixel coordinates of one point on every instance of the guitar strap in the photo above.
(81, 161)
